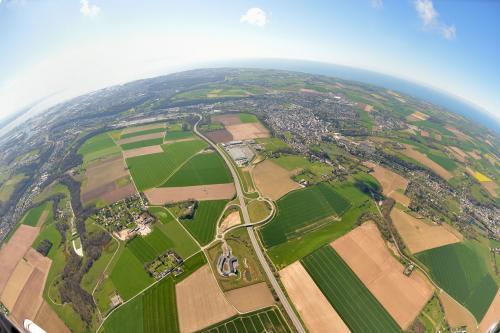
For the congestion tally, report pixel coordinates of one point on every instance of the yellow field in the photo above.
(482, 178)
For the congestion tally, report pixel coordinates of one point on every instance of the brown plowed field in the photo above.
(417, 116)
(104, 172)
(272, 180)
(14, 250)
(141, 138)
(142, 128)
(247, 131)
(119, 193)
(37, 260)
(227, 119)
(250, 298)
(200, 302)
(419, 235)
(16, 283)
(422, 158)
(219, 136)
(163, 195)
(456, 314)
(364, 250)
(459, 154)
(47, 319)
(492, 315)
(101, 181)
(30, 299)
(142, 151)
(390, 182)
(314, 309)
(458, 133)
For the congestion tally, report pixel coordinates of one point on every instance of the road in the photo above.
(251, 233)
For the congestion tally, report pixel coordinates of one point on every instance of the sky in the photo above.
(52, 50)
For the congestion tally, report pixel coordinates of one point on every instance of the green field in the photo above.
(178, 135)
(201, 169)
(301, 211)
(149, 131)
(357, 307)
(127, 318)
(141, 144)
(152, 170)
(273, 144)
(248, 118)
(49, 232)
(292, 162)
(462, 271)
(267, 320)
(159, 308)
(286, 253)
(204, 223)
(33, 215)
(151, 246)
(129, 276)
(8, 188)
(98, 147)
(178, 238)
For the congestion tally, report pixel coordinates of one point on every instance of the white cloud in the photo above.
(254, 16)
(430, 19)
(88, 10)
(449, 32)
(377, 3)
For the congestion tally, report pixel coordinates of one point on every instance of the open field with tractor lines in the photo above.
(357, 307)
(303, 210)
(268, 320)
(462, 272)
(201, 169)
(204, 222)
(152, 170)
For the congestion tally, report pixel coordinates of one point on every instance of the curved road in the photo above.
(251, 233)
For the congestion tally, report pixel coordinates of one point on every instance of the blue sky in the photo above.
(63, 48)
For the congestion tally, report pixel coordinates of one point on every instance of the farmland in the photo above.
(461, 271)
(179, 239)
(296, 248)
(140, 144)
(268, 320)
(248, 118)
(303, 210)
(151, 170)
(37, 214)
(351, 299)
(98, 147)
(201, 169)
(9, 186)
(178, 135)
(129, 275)
(204, 223)
(143, 132)
(159, 308)
(127, 318)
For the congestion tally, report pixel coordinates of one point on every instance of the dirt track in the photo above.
(163, 195)
(420, 236)
(200, 302)
(251, 298)
(313, 307)
(364, 250)
(272, 180)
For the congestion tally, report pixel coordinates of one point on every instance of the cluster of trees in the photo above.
(388, 227)
(44, 247)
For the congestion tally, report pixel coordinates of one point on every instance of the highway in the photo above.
(251, 233)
